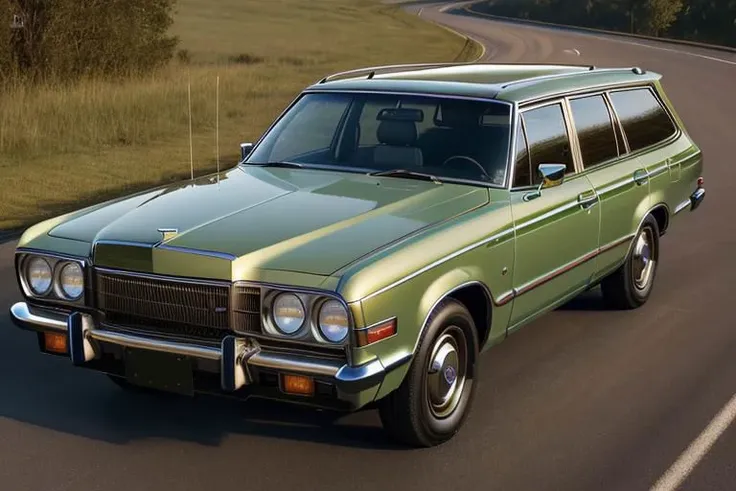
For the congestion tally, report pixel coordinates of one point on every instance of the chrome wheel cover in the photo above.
(446, 373)
(643, 260)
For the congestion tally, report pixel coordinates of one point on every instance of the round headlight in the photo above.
(39, 275)
(288, 313)
(71, 281)
(333, 321)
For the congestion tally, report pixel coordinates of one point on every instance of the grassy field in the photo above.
(62, 148)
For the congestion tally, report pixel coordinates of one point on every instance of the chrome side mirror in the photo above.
(245, 149)
(553, 175)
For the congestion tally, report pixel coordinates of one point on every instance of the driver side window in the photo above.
(547, 142)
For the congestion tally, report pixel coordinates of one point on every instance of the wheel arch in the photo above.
(475, 295)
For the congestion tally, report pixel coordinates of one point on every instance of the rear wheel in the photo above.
(433, 401)
(631, 285)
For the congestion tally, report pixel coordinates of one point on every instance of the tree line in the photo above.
(707, 21)
(64, 40)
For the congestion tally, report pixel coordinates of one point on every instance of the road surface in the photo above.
(581, 399)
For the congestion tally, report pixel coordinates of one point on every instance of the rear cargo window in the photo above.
(643, 118)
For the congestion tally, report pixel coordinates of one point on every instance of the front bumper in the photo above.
(239, 363)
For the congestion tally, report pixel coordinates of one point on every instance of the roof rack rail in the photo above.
(371, 71)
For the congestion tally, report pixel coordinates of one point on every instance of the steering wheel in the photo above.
(468, 159)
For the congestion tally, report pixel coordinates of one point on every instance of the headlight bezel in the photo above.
(309, 333)
(54, 295)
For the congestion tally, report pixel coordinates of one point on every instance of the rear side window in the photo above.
(595, 130)
(644, 119)
(547, 138)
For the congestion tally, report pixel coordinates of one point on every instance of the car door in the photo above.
(648, 131)
(556, 229)
(619, 178)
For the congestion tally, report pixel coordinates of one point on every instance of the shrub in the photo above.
(69, 39)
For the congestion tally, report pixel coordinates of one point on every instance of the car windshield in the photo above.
(420, 136)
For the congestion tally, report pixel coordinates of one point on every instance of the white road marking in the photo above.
(687, 461)
(615, 39)
(573, 51)
(671, 50)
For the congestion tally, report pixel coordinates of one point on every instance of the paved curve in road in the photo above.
(581, 399)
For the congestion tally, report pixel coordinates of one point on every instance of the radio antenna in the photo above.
(191, 149)
(217, 127)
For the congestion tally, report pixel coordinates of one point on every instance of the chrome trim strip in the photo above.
(276, 361)
(537, 282)
(683, 206)
(659, 170)
(497, 236)
(199, 252)
(615, 186)
(20, 312)
(554, 211)
(384, 321)
(160, 277)
(126, 243)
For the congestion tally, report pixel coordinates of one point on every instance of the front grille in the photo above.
(189, 309)
(247, 309)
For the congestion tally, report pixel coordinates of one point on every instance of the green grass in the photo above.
(62, 147)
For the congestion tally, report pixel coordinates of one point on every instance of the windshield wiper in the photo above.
(290, 165)
(406, 173)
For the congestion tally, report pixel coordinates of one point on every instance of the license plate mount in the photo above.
(161, 371)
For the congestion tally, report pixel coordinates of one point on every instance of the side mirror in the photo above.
(552, 175)
(245, 149)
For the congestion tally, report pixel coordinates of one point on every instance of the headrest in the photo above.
(397, 133)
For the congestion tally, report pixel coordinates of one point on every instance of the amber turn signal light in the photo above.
(297, 385)
(376, 333)
(55, 343)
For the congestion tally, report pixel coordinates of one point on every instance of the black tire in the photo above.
(407, 414)
(623, 289)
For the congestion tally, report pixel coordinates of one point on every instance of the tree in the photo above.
(661, 14)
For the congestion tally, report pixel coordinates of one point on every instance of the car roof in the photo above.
(511, 82)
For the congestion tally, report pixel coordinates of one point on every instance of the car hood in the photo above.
(302, 220)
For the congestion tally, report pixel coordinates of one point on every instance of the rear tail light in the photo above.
(700, 182)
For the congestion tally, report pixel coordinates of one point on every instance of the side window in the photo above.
(595, 130)
(547, 138)
(644, 120)
(522, 165)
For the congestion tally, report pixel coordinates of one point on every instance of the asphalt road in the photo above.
(581, 399)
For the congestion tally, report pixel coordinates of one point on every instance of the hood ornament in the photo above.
(168, 233)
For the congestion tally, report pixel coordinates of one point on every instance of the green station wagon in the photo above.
(392, 224)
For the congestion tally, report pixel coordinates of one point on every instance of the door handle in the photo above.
(641, 176)
(587, 200)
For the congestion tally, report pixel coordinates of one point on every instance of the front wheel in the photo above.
(629, 286)
(433, 401)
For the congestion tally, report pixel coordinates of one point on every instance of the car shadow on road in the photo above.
(86, 404)
(590, 300)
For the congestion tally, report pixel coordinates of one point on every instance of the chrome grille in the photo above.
(171, 307)
(246, 309)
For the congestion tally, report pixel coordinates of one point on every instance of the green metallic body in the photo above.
(393, 247)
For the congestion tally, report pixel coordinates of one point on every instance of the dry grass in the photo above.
(64, 147)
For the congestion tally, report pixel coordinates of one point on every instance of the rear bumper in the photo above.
(238, 362)
(696, 198)
(693, 202)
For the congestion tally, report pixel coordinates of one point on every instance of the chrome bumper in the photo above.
(696, 198)
(356, 385)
